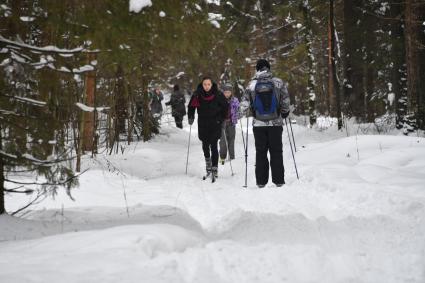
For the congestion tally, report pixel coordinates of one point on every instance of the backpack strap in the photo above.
(251, 102)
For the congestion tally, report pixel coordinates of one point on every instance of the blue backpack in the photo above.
(265, 104)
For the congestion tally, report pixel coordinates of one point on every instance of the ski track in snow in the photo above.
(356, 215)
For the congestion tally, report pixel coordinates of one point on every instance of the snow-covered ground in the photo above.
(357, 214)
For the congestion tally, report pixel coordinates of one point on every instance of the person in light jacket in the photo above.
(267, 100)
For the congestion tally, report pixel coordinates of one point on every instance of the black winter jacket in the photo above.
(177, 102)
(212, 110)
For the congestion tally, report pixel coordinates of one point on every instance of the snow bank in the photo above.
(106, 255)
(357, 214)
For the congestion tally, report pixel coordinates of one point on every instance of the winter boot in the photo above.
(208, 164)
(214, 171)
(222, 160)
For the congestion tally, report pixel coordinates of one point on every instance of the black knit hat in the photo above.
(261, 64)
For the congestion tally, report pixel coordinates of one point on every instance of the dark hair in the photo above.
(176, 87)
(207, 78)
(261, 64)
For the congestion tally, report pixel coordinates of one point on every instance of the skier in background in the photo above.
(156, 103)
(178, 107)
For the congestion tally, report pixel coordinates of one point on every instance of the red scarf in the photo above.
(208, 98)
(195, 101)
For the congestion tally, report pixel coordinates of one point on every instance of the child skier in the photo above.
(227, 140)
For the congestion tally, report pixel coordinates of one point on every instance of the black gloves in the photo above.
(191, 121)
(284, 115)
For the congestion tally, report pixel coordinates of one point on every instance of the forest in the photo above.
(75, 75)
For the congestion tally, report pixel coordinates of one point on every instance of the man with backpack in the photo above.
(267, 100)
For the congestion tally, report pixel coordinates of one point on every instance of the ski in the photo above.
(209, 175)
(206, 176)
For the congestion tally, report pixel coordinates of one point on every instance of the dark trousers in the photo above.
(211, 151)
(179, 122)
(269, 139)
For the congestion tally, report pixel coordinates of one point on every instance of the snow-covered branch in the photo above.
(89, 108)
(46, 49)
(30, 101)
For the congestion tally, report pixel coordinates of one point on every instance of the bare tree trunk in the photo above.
(310, 102)
(353, 57)
(2, 207)
(88, 118)
(147, 129)
(398, 70)
(86, 125)
(120, 102)
(131, 118)
(80, 140)
(333, 89)
(77, 139)
(410, 54)
(13, 27)
(411, 37)
(348, 55)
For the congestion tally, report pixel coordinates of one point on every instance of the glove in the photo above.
(284, 115)
(191, 121)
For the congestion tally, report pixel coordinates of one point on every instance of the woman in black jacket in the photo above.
(212, 109)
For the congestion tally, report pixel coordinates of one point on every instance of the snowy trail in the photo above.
(356, 215)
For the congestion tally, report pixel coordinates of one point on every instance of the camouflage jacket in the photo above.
(245, 107)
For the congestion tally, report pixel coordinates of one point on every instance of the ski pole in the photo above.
(243, 138)
(188, 146)
(246, 154)
(292, 132)
(292, 151)
(228, 150)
